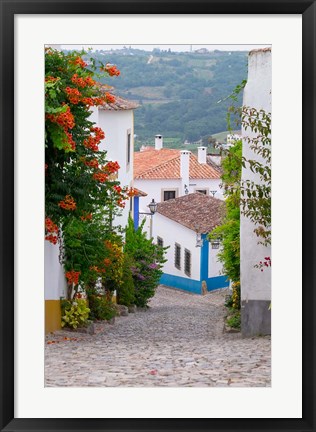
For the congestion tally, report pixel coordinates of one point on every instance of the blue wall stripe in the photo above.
(185, 284)
(204, 259)
(136, 212)
(192, 285)
(217, 282)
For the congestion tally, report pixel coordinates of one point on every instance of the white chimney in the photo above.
(158, 142)
(184, 171)
(202, 155)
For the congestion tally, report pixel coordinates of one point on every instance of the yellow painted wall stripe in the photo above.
(52, 316)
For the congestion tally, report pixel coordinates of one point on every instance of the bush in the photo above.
(234, 321)
(148, 259)
(101, 308)
(74, 313)
(126, 290)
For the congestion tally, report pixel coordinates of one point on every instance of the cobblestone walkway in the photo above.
(178, 342)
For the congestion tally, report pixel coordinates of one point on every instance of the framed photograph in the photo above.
(29, 402)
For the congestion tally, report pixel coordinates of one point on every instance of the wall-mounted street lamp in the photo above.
(152, 206)
(199, 240)
(215, 243)
(213, 192)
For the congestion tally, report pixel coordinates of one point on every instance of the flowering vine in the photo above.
(82, 194)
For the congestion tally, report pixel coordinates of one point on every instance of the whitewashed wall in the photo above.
(171, 232)
(154, 188)
(54, 277)
(255, 284)
(215, 267)
(116, 126)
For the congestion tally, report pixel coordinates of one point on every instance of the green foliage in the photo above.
(126, 290)
(234, 321)
(229, 231)
(148, 259)
(256, 196)
(74, 313)
(177, 91)
(81, 194)
(101, 308)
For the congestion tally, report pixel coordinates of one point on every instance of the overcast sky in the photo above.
(177, 48)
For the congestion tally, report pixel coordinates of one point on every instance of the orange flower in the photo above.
(109, 98)
(131, 192)
(78, 61)
(51, 238)
(65, 119)
(68, 203)
(92, 163)
(111, 70)
(73, 277)
(50, 226)
(73, 95)
(100, 176)
(92, 142)
(111, 167)
(85, 217)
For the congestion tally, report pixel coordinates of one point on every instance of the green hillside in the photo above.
(178, 93)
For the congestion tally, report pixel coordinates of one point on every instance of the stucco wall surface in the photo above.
(154, 188)
(116, 126)
(255, 285)
(54, 278)
(171, 233)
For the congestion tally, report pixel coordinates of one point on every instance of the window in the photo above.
(204, 191)
(167, 195)
(128, 159)
(177, 256)
(159, 241)
(187, 262)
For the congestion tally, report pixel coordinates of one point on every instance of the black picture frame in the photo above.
(8, 9)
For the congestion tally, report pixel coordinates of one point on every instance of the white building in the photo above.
(117, 122)
(182, 224)
(169, 173)
(255, 285)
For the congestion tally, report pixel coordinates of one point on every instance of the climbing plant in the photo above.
(82, 195)
(229, 230)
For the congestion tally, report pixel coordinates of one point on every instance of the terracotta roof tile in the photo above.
(217, 168)
(258, 50)
(196, 211)
(139, 193)
(154, 164)
(119, 105)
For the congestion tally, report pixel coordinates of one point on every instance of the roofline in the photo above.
(259, 50)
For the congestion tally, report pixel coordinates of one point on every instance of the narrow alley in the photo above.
(178, 342)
